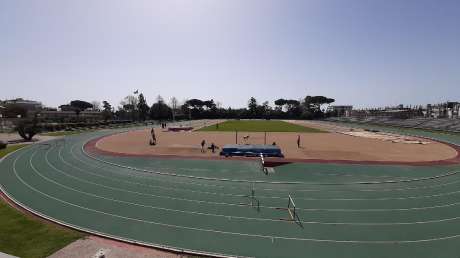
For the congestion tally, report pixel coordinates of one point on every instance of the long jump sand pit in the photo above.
(314, 146)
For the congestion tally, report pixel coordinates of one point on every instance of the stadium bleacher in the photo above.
(438, 124)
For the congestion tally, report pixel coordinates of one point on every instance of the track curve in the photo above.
(343, 210)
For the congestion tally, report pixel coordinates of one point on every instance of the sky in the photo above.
(365, 53)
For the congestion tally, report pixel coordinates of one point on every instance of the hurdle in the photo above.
(253, 201)
(262, 164)
(291, 208)
(292, 211)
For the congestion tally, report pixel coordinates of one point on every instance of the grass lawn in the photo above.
(23, 236)
(10, 148)
(259, 126)
(62, 133)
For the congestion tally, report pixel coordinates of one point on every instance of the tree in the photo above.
(252, 106)
(209, 104)
(96, 105)
(317, 101)
(280, 103)
(107, 110)
(129, 105)
(28, 128)
(13, 111)
(159, 110)
(79, 105)
(265, 110)
(312, 106)
(174, 105)
(195, 103)
(142, 107)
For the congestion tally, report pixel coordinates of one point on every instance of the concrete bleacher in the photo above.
(439, 124)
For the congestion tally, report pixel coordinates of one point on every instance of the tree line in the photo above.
(136, 108)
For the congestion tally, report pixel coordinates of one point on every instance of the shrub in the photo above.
(3, 145)
(28, 129)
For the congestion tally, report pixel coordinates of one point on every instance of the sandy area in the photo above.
(326, 146)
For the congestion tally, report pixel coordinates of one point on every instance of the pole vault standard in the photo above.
(265, 138)
(236, 136)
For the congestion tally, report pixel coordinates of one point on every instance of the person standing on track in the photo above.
(154, 138)
(298, 141)
(203, 142)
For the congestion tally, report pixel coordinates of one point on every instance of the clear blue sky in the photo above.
(365, 53)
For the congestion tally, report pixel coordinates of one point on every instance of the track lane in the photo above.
(350, 241)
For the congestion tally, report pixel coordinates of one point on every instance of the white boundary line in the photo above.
(263, 181)
(270, 197)
(251, 218)
(181, 250)
(215, 231)
(94, 232)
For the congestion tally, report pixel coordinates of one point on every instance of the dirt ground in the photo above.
(325, 146)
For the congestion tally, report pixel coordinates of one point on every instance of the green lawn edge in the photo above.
(25, 236)
(10, 148)
(259, 126)
(62, 133)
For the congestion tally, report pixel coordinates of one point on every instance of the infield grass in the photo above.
(259, 126)
(24, 236)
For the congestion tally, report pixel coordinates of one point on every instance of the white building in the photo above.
(340, 110)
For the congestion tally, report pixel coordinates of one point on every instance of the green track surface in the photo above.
(259, 126)
(202, 205)
(25, 237)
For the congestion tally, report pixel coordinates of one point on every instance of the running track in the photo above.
(202, 206)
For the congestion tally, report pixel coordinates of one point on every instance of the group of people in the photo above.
(213, 147)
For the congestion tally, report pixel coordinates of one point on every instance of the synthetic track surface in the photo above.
(201, 205)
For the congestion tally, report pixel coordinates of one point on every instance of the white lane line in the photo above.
(154, 186)
(223, 194)
(95, 232)
(273, 182)
(313, 199)
(144, 171)
(230, 216)
(133, 173)
(268, 207)
(139, 193)
(227, 232)
(265, 189)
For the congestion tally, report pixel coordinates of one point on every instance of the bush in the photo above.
(3, 145)
(27, 129)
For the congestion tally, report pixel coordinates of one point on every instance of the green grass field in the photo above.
(10, 148)
(62, 133)
(259, 126)
(24, 236)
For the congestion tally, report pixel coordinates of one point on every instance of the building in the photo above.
(63, 115)
(443, 110)
(340, 111)
(453, 110)
(29, 105)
